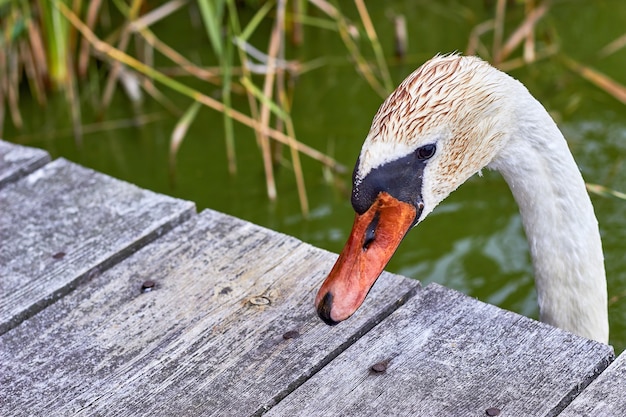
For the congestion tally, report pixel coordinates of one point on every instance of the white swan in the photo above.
(445, 122)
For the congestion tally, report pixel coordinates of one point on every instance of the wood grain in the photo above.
(228, 326)
(63, 223)
(207, 340)
(17, 161)
(446, 354)
(605, 396)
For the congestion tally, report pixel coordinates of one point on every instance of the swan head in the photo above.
(444, 123)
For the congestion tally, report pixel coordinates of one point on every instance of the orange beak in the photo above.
(375, 236)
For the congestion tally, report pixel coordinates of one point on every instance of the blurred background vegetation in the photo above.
(258, 109)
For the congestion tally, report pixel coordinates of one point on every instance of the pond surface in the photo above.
(473, 242)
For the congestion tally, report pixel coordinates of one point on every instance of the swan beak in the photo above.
(375, 236)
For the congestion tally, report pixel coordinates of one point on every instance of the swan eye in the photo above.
(426, 151)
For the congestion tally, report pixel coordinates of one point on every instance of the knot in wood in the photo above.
(259, 300)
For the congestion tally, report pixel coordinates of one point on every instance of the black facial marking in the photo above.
(370, 233)
(401, 179)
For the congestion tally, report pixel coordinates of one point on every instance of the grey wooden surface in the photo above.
(208, 340)
(606, 396)
(229, 329)
(448, 354)
(64, 222)
(17, 161)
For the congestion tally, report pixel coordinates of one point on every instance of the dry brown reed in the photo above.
(73, 45)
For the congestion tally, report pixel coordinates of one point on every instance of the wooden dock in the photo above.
(117, 301)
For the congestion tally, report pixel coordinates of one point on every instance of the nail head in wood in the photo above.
(492, 411)
(291, 334)
(148, 286)
(380, 367)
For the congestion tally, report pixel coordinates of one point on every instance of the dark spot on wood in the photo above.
(225, 290)
(148, 286)
(291, 334)
(492, 411)
(380, 367)
(59, 255)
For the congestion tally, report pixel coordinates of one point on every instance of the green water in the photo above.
(473, 242)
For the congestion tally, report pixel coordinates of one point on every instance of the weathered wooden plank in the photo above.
(452, 355)
(17, 161)
(63, 222)
(208, 340)
(604, 396)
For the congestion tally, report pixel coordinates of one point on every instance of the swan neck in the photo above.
(559, 222)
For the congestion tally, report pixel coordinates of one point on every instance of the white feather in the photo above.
(478, 116)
